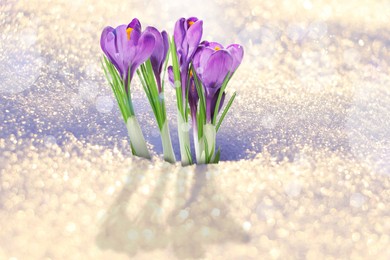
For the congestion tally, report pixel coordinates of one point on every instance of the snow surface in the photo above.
(305, 148)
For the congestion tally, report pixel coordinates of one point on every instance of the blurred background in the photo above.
(305, 148)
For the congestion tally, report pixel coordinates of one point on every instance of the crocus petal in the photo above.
(164, 35)
(112, 52)
(123, 47)
(197, 56)
(193, 96)
(201, 58)
(193, 37)
(237, 53)
(158, 53)
(204, 43)
(171, 77)
(144, 48)
(107, 43)
(179, 32)
(135, 24)
(103, 37)
(190, 21)
(218, 66)
(134, 37)
(129, 50)
(215, 46)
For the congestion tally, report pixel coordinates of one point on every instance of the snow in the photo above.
(304, 169)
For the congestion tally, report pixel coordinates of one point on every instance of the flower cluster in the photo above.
(200, 72)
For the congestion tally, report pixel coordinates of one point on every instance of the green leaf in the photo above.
(176, 73)
(206, 150)
(217, 156)
(202, 103)
(130, 104)
(155, 95)
(132, 149)
(151, 90)
(188, 152)
(165, 66)
(105, 71)
(115, 84)
(119, 87)
(147, 92)
(199, 122)
(163, 81)
(223, 87)
(226, 109)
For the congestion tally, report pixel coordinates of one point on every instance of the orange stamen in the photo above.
(128, 31)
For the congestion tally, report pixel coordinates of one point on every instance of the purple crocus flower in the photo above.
(235, 50)
(187, 36)
(213, 63)
(160, 52)
(126, 47)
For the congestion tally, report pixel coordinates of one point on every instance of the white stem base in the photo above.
(169, 155)
(184, 140)
(137, 139)
(198, 148)
(209, 136)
